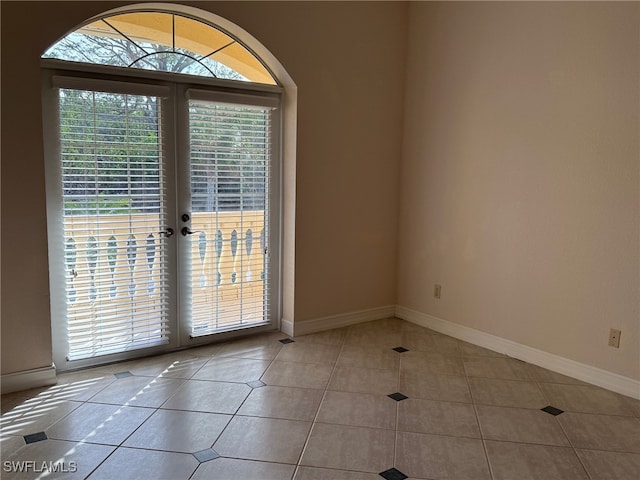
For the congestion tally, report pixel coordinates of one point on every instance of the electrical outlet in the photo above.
(437, 289)
(614, 338)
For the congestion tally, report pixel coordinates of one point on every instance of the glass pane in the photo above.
(146, 27)
(172, 62)
(114, 201)
(186, 46)
(95, 43)
(241, 60)
(198, 37)
(229, 168)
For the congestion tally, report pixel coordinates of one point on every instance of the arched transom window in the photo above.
(162, 42)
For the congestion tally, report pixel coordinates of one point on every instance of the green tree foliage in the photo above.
(110, 152)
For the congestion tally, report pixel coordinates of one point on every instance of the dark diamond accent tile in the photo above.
(256, 384)
(35, 437)
(206, 455)
(401, 349)
(286, 340)
(552, 410)
(397, 397)
(123, 374)
(393, 474)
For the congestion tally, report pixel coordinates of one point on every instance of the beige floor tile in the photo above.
(632, 404)
(314, 473)
(602, 432)
(502, 368)
(435, 363)
(358, 409)
(303, 375)
(384, 325)
(10, 444)
(585, 399)
(521, 461)
(235, 469)
(438, 456)
(69, 456)
(368, 357)
(154, 363)
(408, 327)
(99, 423)
(136, 464)
(266, 439)
(610, 465)
(382, 336)
(207, 351)
(87, 375)
(90, 372)
(264, 346)
(25, 399)
(309, 353)
(364, 380)
(471, 350)
(167, 367)
(520, 425)
(426, 342)
(417, 384)
(179, 431)
(81, 390)
(349, 448)
(506, 393)
(232, 369)
(282, 402)
(254, 352)
(543, 375)
(328, 337)
(431, 416)
(138, 391)
(33, 417)
(206, 396)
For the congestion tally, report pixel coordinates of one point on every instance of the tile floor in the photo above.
(341, 404)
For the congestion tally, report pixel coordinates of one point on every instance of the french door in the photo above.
(162, 214)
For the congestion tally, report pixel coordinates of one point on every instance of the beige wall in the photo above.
(520, 174)
(347, 60)
(520, 180)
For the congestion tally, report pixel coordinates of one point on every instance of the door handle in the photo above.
(168, 232)
(187, 231)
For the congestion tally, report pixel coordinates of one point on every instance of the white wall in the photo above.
(520, 186)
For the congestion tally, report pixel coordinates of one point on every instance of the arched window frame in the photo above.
(285, 89)
(252, 65)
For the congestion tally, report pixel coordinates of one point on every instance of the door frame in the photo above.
(183, 199)
(175, 144)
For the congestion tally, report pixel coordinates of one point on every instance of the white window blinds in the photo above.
(114, 197)
(230, 156)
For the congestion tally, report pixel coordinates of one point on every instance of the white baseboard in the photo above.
(587, 373)
(338, 321)
(286, 327)
(38, 377)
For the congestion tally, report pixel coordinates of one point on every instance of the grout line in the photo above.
(559, 423)
(238, 409)
(324, 394)
(573, 448)
(475, 410)
(397, 432)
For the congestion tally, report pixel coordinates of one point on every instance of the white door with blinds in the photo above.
(226, 212)
(160, 229)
